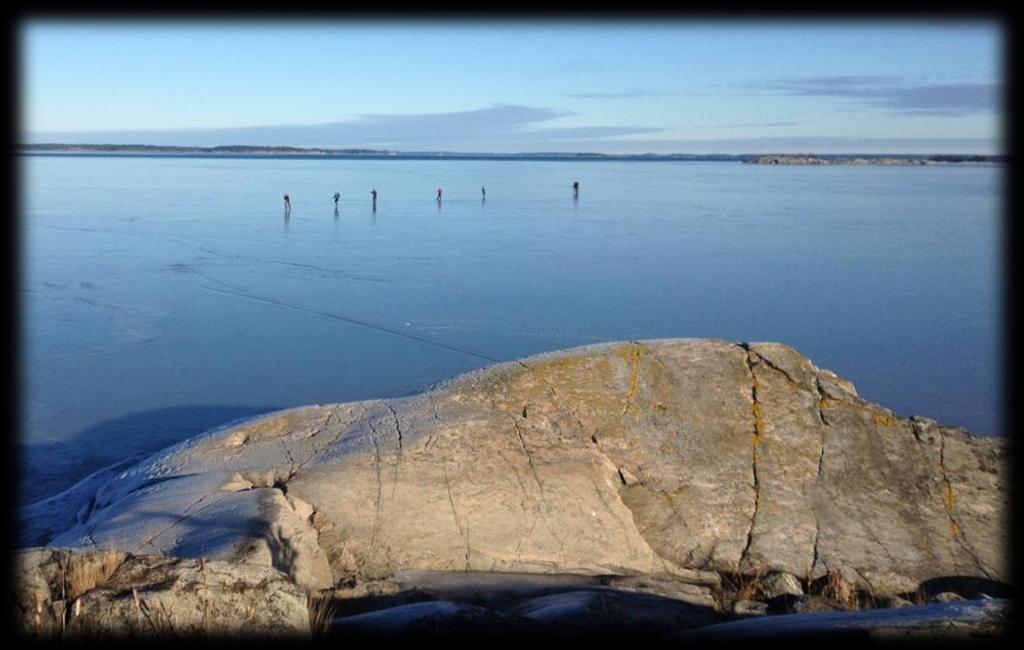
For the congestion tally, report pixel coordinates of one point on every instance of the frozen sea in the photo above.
(161, 296)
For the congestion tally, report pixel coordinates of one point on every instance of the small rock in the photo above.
(779, 583)
(803, 604)
(893, 602)
(694, 594)
(749, 608)
(945, 597)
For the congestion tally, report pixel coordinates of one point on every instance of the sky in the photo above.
(622, 86)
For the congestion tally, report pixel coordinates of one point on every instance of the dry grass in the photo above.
(751, 587)
(840, 590)
(83, 573)
(737, 586)
(206, 596)
(321, 612)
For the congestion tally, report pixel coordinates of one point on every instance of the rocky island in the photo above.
(851, 159)
(646, 489)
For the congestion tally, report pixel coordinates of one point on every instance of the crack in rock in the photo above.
(763, 359)
(455, 516)
(950, 502)
(821, 402)
(529, 456)
(817, 476)
(376, 453)
(559, 402)
(398, 426)
(398, 459)
(634, 377)
(758, 435)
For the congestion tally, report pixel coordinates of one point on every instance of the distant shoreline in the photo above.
(247, 151)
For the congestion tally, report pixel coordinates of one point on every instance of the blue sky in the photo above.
(625, 86)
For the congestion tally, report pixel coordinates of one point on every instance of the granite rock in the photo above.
(674, 458)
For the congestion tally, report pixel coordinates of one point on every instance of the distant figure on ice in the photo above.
(287, 204)
(483, 193)
(439, 190)
(373, 193)
(337, 197)
(576, 189)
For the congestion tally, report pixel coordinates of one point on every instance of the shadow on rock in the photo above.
(50, 467)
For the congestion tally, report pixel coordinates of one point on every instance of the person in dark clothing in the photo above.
(373, 193)
(287, 204)
(576, 189)
(337, 197)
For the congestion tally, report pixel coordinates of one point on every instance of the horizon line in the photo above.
(368, 151)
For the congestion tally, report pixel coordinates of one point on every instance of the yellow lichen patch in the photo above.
(571, 374)
(559, 365)
(678, 492)
(758, 424)
(276, 426)
(826, 402)
(661, 408)
(884, 419)
(632, 354)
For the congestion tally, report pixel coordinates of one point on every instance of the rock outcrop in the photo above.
(113, 594)
(669, 457)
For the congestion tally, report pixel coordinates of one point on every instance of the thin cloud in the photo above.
(840, 85)
(581, 65)
(501, 124)
(618, 94)
(591, 132)
(744, 125)
(893, 93)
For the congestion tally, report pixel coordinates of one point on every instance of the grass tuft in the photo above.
(321, 612)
